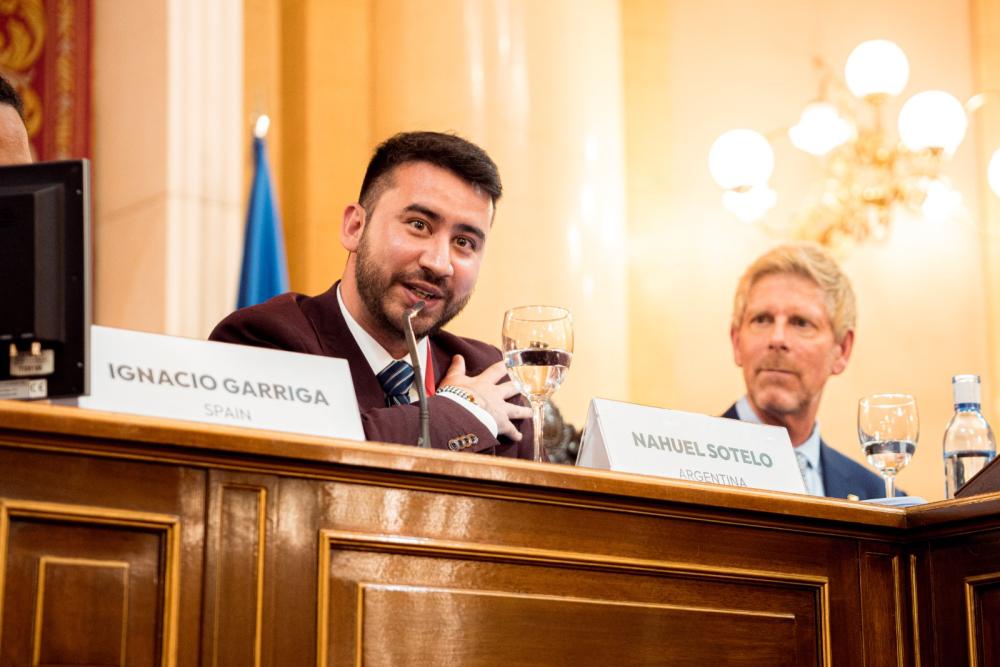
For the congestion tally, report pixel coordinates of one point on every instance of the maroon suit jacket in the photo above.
(315, 325)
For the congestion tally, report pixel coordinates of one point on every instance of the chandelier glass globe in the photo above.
(932, 119)
(876, 67)
(820, 129)
(741, 159)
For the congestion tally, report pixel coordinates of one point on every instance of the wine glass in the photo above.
(888, 430)
(537, 348)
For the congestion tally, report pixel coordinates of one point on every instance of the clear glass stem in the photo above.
(537, 420)
(890, 485)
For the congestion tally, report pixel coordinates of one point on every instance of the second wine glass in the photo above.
(538, 349)
(888, 428)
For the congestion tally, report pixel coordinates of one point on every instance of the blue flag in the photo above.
(265, 271)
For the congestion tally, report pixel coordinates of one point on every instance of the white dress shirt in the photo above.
(378, 358)
(813, 475)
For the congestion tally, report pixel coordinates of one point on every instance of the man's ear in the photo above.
(734, 336)
(842, 352)
(352, 227)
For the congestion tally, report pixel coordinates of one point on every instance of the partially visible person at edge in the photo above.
(418, 231)
(792, 329)
(14, 147)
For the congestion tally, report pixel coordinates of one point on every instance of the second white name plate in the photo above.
(219, 383)
(692, 447)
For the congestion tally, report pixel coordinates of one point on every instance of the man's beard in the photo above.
(777, 407)
(786, 400)
(374, 287)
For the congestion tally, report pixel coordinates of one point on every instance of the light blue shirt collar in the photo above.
(809, 448)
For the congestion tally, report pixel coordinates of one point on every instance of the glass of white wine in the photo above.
(538, 349)
(888, 429)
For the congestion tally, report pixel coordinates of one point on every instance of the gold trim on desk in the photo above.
(430, 547)
(36, 650)
(107, 516)
(897, 595)
(914, 610)
(971, 583)
(363, 587)
(261, 562)
(75, 431)
(218, 604)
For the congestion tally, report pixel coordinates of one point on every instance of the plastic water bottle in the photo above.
(968, 440)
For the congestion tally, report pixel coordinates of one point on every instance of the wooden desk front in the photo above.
(145, 542)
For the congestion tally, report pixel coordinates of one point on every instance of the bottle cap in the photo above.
(965, 389)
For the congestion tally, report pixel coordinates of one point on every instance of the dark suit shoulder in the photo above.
(478, 355)
(843, 475)
(277, 323)
(843, 462)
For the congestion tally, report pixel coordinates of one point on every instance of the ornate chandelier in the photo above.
(868, 172)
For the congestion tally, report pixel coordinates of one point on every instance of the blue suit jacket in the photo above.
(841, 476)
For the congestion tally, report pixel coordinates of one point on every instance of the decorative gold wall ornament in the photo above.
(869, 172)
(45, 54)
(22, 37)
(22, 33)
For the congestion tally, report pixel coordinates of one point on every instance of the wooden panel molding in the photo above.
(917, 592)
(669, 595)
(300, 550)
(99, 593)
(962, 571)
(68, 568)
(989, 611)
(982, 596)
(510, 628)
(882, 598)
(236, 545)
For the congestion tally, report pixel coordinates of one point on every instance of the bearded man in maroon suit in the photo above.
(418, 232)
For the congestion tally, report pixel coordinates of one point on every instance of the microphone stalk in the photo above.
(418, 373)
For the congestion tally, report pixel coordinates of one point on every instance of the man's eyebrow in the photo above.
(472, 230)
(462, 227)
(424, 211)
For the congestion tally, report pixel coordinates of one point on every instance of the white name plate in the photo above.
(219, 383)
(683, 445)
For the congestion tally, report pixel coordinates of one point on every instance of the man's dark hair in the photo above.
(462, 158)
(10, 97)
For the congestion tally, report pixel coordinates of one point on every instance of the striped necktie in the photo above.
(396, 379)
(804, 470)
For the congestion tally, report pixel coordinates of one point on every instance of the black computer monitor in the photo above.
(45, 311)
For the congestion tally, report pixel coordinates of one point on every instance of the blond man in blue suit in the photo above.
(792, 329)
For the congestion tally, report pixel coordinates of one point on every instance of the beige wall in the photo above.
(325, 102)
(986, 69)
(600, 115)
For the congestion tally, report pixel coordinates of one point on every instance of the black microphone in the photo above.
(418, 374)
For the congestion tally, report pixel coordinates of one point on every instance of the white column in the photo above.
(204, 170)
(168, 127)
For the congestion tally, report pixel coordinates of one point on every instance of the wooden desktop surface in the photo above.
(140, 541)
